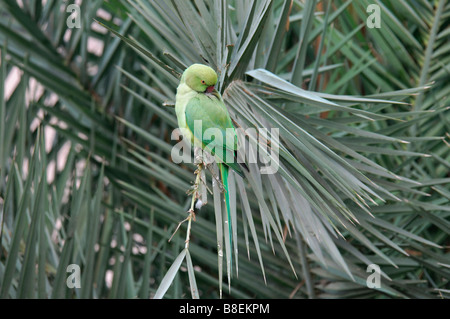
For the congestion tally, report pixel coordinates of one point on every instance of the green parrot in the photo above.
(197, 100)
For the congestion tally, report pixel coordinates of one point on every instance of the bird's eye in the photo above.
(203, 82)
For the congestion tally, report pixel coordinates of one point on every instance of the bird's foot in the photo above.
(191, 214)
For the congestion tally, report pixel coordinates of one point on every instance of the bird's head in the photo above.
(200, 78)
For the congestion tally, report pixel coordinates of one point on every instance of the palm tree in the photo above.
(88, 183)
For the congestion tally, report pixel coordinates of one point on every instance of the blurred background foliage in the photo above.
(87, 177)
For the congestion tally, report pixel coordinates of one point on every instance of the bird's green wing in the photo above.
(217, 132)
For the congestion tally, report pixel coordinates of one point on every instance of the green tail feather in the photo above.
(224, 175)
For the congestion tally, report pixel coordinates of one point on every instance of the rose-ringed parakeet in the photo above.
(197, 100)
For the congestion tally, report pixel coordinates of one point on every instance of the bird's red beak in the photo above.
(210, 89)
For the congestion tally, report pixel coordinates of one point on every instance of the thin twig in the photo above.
(191, 212)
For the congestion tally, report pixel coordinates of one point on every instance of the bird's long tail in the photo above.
(224, 176)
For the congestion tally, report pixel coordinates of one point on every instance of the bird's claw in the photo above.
(191, 214)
